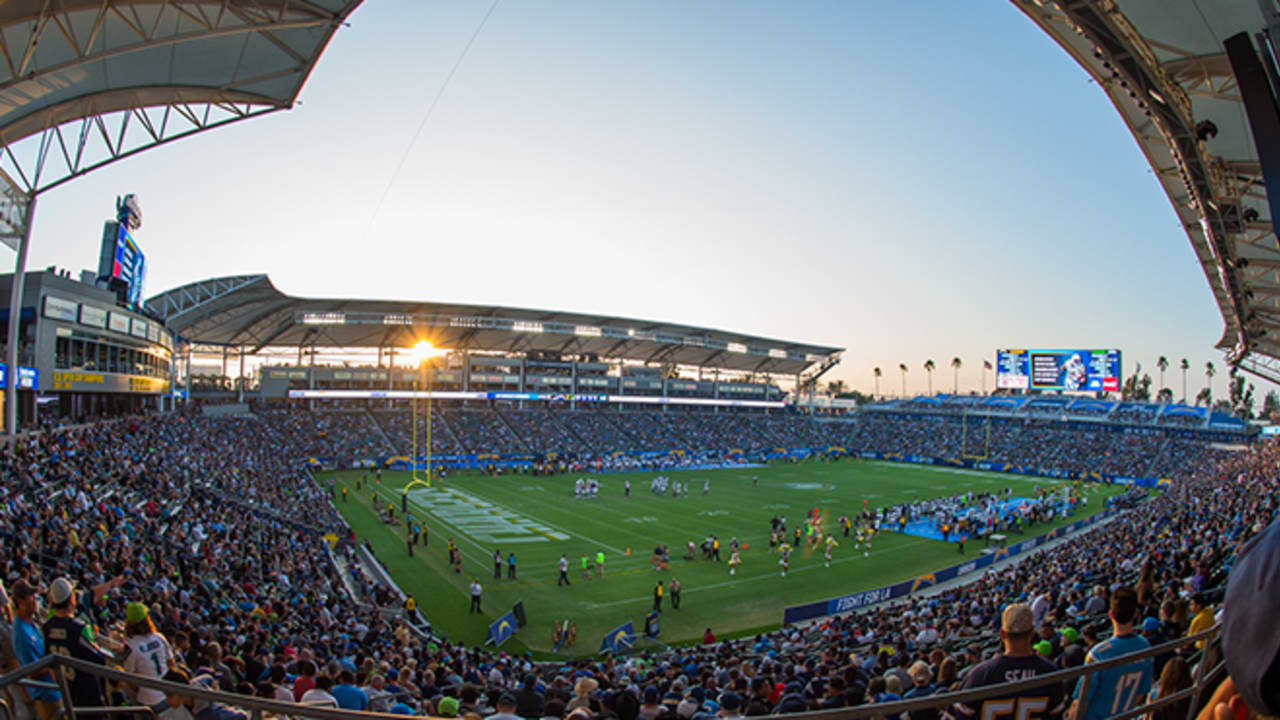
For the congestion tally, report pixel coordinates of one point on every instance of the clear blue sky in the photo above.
(907, 180)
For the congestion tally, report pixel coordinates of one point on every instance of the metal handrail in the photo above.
(945, 699)
(1208, 668)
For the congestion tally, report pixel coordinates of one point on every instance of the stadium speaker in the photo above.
(518, 611)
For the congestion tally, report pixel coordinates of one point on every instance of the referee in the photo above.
(476, 589)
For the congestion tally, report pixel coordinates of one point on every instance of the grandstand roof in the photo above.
(1164, 67)
(249, 311)
(86, 82)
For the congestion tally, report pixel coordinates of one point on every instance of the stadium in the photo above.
(226, 501)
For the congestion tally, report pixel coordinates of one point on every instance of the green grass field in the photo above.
(538, 518)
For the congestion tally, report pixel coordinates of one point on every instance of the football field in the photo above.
(538, 518)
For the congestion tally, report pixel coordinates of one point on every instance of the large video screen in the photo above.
(122, 260)
(1084, 370)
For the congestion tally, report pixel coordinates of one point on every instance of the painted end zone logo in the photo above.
(480, 519)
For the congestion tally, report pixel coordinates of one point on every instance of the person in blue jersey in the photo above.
(28, 644)
(1018, 662)
(1118, 689)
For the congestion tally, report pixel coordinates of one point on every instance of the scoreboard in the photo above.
(1083, 370)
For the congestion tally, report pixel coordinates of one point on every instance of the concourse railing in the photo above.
(1209, 670)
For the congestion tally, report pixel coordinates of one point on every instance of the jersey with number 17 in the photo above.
(1118, 689)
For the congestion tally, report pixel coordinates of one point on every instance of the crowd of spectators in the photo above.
(334, 433)
(484, 431)
(592, 435)
(1114, 450)
(186, 528)
(398, 426)
(540, 431)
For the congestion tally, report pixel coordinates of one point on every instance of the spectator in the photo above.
(529, 702)
(28, 645)
(349, 696)
(1250, 633)
(921, 686)
(1019, 662)
(64, 634)
(184, 707)
(1122, 688)
(147, 652)
(1202, 618)
(506, 708)
(320, 695)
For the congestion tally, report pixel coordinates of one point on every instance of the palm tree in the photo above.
(903, 368)
(836, 388)
(928, 367)
(1209, 372)
(1185, 367)
(955, 375)
(877, 373)
(1163, 364)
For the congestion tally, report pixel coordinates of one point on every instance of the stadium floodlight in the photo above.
(421, 352)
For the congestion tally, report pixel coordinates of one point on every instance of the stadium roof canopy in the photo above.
(84, 83)
(1165, 67)
(248, 311)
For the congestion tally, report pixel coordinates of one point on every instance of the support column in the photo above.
(15, 323)
(240, 380)
(311, 379)
(662, 376)
(573, 385)
(391, 372)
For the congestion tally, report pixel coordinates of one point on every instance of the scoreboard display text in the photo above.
(1084, 370)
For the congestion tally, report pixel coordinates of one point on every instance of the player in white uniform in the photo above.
(1074, 373)
(831, 544)
(734, 561)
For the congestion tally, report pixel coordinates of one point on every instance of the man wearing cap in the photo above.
(1119, 689)
(1250, 633)
(28, 644)
(448, 707)
(506, 708)
(66, 635)
(148, 652)
(921, 686)
(1019, 662)
(730, 705)
(529, 702)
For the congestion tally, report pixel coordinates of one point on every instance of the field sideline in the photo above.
(538, 518)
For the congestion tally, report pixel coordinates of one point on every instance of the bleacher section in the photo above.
(164, 482)
(1051, 435)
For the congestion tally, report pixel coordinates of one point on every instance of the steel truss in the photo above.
(1221, 202)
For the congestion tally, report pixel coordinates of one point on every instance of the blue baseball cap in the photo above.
(1151, 625)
